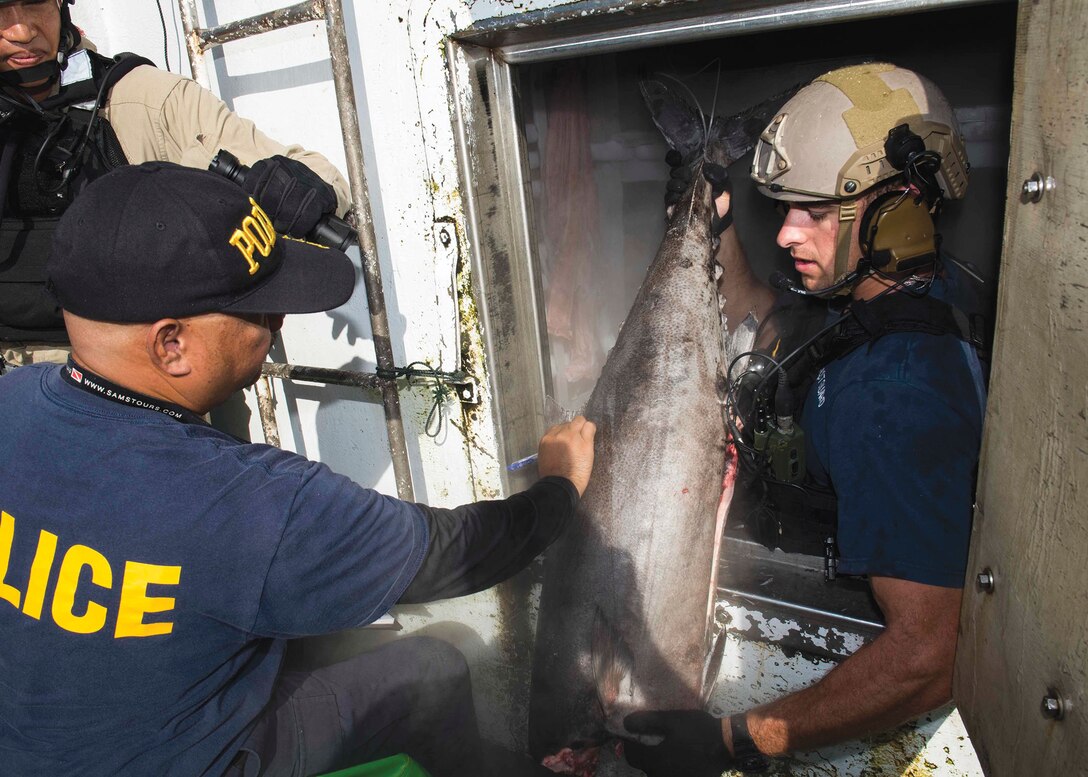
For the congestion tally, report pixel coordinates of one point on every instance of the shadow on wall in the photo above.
(232, 86)
(348, 428)
(349, 422)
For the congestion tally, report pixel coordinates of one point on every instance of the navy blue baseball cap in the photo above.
(158, 240)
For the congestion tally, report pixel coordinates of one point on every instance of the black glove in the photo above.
(692, 744)
(292, 194)
(680, 179)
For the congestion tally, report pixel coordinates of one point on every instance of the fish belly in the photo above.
(625, 612)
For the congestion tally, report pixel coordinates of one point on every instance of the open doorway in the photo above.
(596, 175)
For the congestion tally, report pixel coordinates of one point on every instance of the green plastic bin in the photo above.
(393, 766)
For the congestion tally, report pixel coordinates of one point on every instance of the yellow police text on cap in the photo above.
(255, 234)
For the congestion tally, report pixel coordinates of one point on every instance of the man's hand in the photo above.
(566, 450)
(292, 194)
(691, 744)
(721, 188)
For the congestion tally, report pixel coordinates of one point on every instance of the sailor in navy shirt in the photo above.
(903, 478)
(860, 160)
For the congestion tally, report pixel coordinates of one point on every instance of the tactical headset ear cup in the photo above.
(870, 219)
(897, 230)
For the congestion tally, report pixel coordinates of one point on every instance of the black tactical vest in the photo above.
(802, 518)
(47, 157)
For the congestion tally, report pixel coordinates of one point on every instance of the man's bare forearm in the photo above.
(904, 672)
(864, 694)
(742, 291)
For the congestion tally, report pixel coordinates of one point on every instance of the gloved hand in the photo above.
(292, 195)
(692, 744)
(680, 179)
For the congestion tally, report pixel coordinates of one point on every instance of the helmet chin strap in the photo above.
(848, 214)
(46, 71)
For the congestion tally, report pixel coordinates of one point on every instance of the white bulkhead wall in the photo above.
(283, 81)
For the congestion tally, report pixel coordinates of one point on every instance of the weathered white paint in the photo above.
(132, 25)
(758, 672)
(282, 80)
(773, 629)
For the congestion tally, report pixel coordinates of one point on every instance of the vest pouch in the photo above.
(805, 518)
(28, 312)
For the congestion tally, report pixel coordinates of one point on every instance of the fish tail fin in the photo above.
(738, 133)
(710, 129)
(680, 122)
(611, 660)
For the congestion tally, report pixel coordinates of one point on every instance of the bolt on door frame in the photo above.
(199, 41)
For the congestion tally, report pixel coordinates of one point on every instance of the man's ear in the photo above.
(167, 346)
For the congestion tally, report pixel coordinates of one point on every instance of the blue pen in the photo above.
(521, 463)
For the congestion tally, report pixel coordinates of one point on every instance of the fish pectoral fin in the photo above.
(612, 661)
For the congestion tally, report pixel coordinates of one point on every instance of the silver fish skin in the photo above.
(626, 606)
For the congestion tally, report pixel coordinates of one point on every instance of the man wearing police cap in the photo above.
(153, 568)
(69, 114)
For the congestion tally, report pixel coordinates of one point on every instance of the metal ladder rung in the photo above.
(210, 37)
(332, 377)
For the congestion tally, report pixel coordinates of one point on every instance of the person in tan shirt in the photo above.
(69, 115)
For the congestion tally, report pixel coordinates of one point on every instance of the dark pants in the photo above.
(410, 696)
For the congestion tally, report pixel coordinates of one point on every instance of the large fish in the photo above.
(626, 611)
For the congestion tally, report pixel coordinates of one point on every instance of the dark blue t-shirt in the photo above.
(150, 571)
(896, 429)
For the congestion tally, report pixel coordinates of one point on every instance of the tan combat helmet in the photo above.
(828, 141)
